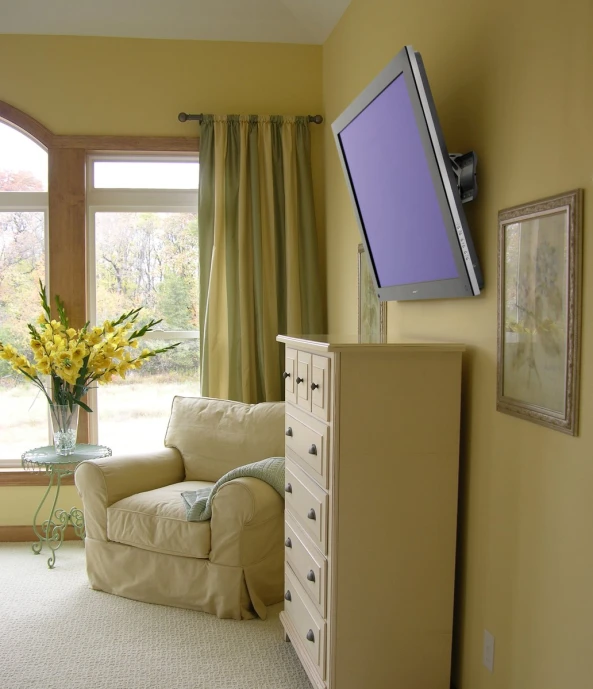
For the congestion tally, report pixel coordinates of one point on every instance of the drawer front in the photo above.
(290, 372)
(308, 623)
(308, 565)
(303, 380)
(308, 440)
(320, 386)
(307, 502)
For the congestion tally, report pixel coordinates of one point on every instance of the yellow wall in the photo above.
(18, 505)
(138, 87)
(511, 80)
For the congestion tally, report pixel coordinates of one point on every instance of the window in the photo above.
(23, 225)
(143, 246)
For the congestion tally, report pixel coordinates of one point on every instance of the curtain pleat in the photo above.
(259, 271)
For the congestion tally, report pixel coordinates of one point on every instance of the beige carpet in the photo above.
(57, 633)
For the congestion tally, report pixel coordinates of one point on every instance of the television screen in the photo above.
(403, 188)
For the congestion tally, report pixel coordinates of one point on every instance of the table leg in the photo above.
(52, 532)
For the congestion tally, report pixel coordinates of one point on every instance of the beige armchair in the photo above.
(139, 543)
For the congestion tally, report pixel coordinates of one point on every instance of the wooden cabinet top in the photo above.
(336, 343)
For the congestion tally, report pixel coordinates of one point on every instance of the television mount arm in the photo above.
(464, 168)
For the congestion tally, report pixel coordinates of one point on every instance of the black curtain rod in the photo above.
(183, 117)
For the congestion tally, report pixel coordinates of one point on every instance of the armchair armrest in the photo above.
(247, 522)
(103, 482)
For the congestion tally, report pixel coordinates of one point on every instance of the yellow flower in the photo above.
(93, 337)
(78, 353)
(42, 320)
(123, 367)
(8, 352)
(60, 342)
(71, 333)
(44, 365)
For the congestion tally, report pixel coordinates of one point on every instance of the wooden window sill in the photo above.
(20, 477)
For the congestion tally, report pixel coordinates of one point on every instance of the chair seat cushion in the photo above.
(156, 520)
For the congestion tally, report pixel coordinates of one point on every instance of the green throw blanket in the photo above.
(198, 503)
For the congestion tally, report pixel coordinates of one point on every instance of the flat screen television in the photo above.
(404, 189)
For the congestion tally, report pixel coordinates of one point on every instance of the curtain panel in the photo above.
(259, 265)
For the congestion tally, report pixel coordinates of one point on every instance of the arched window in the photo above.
(23, 232)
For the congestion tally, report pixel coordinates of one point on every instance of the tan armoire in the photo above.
(372, 457)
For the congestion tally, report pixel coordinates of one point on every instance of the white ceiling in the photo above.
(266, 21)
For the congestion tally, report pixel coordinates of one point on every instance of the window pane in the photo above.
(22, 265)
(133, 413)
(23, 163)
(148, 260)
(149, 175)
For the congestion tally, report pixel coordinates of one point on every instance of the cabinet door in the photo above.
(290, 372)
(303, 380)
(320, 387)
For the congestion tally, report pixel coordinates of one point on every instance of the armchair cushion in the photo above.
(156, 520)
(214, 436)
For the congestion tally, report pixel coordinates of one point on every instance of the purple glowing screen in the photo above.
(394, 190)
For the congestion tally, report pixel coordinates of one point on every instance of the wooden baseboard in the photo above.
(25, 534)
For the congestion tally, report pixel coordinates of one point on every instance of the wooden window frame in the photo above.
(66, 242)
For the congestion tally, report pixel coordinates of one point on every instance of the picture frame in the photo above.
(372, 313)
(539, 311)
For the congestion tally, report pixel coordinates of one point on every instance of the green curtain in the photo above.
(259, 265)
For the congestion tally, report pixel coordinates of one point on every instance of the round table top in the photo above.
(40, 456)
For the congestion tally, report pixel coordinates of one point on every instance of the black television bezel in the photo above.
(469, 281)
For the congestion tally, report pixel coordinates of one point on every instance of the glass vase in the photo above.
(65, 427)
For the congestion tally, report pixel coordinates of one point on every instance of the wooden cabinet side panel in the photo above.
(394, 520)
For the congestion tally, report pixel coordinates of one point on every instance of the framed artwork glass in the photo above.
(372, 313)
(539, 295)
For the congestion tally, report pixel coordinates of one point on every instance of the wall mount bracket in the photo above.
(464, 167)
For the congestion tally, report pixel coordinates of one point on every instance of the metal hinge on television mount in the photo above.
(464, 168)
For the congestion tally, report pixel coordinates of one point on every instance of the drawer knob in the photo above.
(299, 380)
(288, 488)
(313, 450)
(310, 635)
(288, 596)
(314, 386)
(288, 543)
(311, 514)
(289, 432)
(311, 575)
(286, 375)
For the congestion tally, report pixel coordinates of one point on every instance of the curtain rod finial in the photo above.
(182, 117)
(318, 119)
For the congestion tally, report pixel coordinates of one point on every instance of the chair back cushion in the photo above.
(215, 436)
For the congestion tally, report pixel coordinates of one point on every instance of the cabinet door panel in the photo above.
(303, 380)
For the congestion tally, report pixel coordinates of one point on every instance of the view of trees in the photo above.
(22, 265)
(143, 259)
(151, 260)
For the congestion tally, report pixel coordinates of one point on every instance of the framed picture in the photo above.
(539, 295)
(372, 313)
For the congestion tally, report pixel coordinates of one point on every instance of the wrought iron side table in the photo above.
(58, 466)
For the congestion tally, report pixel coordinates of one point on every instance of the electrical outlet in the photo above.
(488, 651)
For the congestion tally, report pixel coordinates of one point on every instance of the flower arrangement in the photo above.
(76, 359)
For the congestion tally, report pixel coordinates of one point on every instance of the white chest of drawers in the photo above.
(372, 454)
